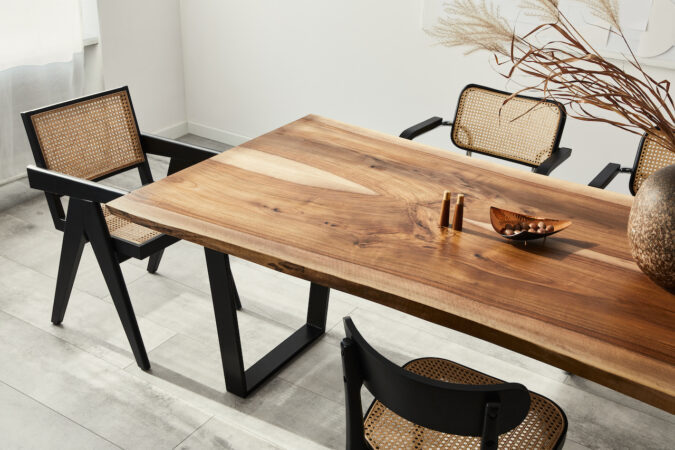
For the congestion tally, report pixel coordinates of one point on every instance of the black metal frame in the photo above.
(85, 222)
(611, 170)
(467, 410)
(238, 380)
(558, 155)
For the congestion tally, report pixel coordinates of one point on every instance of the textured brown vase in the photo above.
(651, 228)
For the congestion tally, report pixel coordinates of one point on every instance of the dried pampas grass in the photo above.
(565, 67)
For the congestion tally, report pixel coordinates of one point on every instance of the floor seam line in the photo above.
(193, 431)
(63, 340)
(59, 413)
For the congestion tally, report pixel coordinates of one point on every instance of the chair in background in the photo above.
(75, 144)
(436, 403)
(525, 130)
(651, 156)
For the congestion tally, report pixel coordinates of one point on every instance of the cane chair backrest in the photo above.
(88, 138)
(652, 156)
(525, 129)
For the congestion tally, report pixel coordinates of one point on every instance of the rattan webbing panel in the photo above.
(126, 230)
(480, 126)
(653, 157)
(541, 428)
(91, 138)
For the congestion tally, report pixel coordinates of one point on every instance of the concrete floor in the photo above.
(77, 385)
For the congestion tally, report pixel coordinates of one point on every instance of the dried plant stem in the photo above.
(566, 68)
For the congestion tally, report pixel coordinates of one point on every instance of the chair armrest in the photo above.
(182, 155)
(606, 176)
(553, 161)
(61, 184)
(421, 128)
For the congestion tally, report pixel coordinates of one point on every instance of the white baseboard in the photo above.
(226, 137)
(173, 131)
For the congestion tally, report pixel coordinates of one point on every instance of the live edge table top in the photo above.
(357, 210)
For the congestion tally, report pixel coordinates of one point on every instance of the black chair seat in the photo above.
(543, 428)
(435, 403)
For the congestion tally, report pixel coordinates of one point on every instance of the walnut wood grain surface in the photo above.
(357, 210)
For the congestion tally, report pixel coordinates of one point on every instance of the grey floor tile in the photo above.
(90, 278)
(34, 211)
(15, 193)
(27, 424)
(192, 364)
(298, 410)
(108, 401)
(197, 367)
(204, 142)
(150, 292)
(216, 434)
(197, 355)
(217, 401)
(159, 165)
(35, 247)
(617, 397)
(40, 249)
(90, 324)
(318, 369)
(185, 263)
(571, 445)
(599, 423)
(127, 181)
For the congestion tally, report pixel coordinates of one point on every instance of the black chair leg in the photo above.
(153, 261)
(101, 243)
(233, 286)
(71, 253)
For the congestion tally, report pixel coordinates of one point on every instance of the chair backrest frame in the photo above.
(446, 407)
(634, 183)
(558, 134)
(53, 200)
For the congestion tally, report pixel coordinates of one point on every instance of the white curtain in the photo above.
(41, 62)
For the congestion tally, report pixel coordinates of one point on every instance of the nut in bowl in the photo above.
(519, 227)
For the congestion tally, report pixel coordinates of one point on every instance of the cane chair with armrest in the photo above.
(436, 403)
(76, 144)
(525, 130)
(651, 156)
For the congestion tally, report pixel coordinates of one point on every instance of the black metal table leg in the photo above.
(224, 306)
(233, 286)
(239, 381)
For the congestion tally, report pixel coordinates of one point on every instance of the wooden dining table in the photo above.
(357, 210)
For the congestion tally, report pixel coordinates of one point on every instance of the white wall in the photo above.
(141, 48)
(93, 69)
(251, 66)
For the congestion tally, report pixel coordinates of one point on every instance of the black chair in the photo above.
(525, 130)
(75, 144)
(436, 403)
(651, 156)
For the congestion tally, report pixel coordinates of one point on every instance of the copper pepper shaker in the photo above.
(444, 220)
(459, 213)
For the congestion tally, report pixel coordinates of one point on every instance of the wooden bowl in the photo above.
(501, 217)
